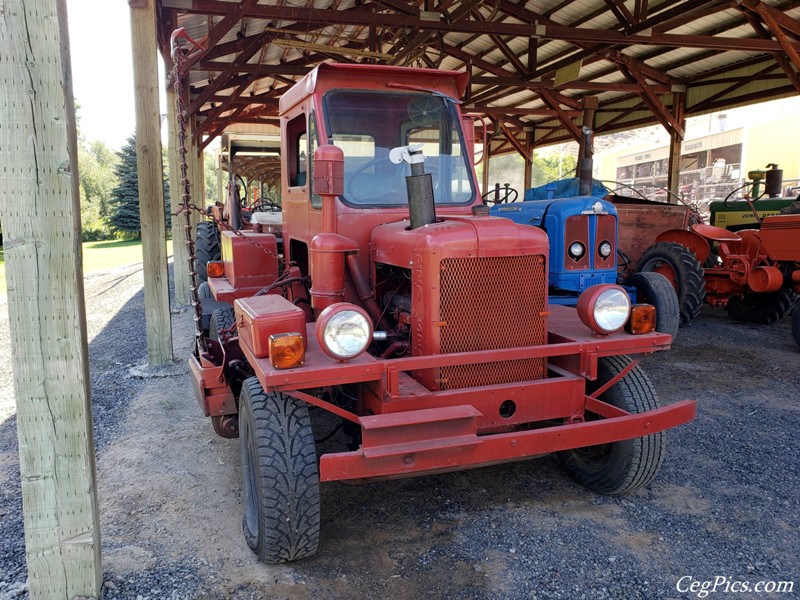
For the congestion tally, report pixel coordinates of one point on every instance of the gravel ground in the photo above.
(725, 503)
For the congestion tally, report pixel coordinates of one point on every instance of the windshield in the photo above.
(367, 125)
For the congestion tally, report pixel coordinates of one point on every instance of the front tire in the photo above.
(684, 272)
(654, 288)
(764, 308)
(281, 475)
(206, 248)
(625, 466)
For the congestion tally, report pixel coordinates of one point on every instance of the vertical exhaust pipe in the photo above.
(419, 185)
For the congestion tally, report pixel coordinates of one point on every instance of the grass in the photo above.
(98, 256)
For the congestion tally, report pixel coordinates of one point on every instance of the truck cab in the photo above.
(404, 310)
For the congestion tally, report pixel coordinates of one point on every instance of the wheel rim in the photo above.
(664, 268)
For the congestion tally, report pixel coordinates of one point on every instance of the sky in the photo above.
(102, 69)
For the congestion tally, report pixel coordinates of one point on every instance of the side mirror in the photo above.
(328, 171)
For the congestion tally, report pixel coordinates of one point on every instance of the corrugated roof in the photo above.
(636, 57)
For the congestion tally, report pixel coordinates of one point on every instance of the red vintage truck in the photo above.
(400, 307)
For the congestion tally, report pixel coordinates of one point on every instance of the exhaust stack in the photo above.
(419, 185)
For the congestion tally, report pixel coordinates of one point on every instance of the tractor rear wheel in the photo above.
(764, 308)
(206, 248)
(653, 288)
(625, 466)
(796, 324)
(221, 318)
(683, 271)
(281, 475)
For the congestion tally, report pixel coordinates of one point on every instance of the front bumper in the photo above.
(446, 439)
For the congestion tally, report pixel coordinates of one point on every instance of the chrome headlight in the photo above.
(576, 250)
(344, 331)
(604, 308)
(605, 249)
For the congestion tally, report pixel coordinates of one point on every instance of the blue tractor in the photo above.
(583, 251)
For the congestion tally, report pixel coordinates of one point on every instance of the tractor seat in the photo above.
(718, 234)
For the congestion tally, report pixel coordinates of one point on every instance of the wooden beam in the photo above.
(527, 177)
(788, 23)
(548, 84)
(220, 80)
(151, 189)
(518, 146)
(180, 251)
(674, 164)
(40, 209)
(650, 98)
(507, 110)
(778, 32)
(548, 31)
(782, 61)
(565, 120)
(618, 8)
(218, 32)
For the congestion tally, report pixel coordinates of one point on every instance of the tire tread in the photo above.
(288, 475)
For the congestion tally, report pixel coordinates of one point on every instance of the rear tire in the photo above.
(281, 475)
(796, 324)
(654, 288)
(206, 248)
(204, 291)
(683, 271)
(625, 466)
(764, 308)
(221, 318)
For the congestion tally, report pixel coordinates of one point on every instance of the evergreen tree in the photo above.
(124, 205)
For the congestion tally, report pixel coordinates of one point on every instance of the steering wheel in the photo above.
(266, 206)
(380, 187)
(500, 195)
(730, 196)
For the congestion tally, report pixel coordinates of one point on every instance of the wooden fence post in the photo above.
(180, 251)
(40, 210)
(151, 190)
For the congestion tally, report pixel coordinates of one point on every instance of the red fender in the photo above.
(696, 243)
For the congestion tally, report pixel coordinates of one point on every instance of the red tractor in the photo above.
(410, 315)
(753, 273)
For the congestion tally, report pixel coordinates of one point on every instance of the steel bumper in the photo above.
(447, 439)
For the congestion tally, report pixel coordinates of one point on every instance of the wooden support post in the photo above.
(528, 177)
(151, 191)
(675, 139)
(487, 156)
(200, 184)
(180, 251)
(40, 209)
(220, 191)
(197, 185)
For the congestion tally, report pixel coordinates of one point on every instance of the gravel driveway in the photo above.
(725, 503)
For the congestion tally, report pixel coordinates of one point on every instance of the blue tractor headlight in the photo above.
(576, 250)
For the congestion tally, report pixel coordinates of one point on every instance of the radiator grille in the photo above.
(489, 304)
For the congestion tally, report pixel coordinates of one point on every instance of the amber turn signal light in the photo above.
(643, 319)
(286, 350)
(215, 268)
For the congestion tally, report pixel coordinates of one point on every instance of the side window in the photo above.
(297, 160)
(316, 201)
(302, 161)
